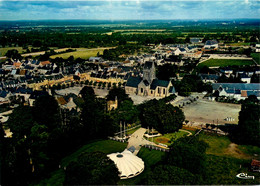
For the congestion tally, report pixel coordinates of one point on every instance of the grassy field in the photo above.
(222, 146)
(129, 132)
(150, 158)
(256, 57)
(238, 44)
(166, 138)
(225, 62)
(4, 50)
(83, 53)
(223, 170)
(105, 146)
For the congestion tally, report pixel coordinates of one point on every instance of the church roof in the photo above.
(133, 81)
(160, 83)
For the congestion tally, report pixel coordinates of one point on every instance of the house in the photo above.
(209, 78)
(95, 59)
(227, 71)
(195, 40)
(24, 92)
(148, 85)
(237, 90)
(255, 165)
(4, 96)
(211, 44)
(257, 48)
(112, 105)
(44, 63)
(245, 78)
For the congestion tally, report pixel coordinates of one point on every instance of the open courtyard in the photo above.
(204, 111)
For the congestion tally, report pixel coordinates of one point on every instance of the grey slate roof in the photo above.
(237, 86)
(211, 42)
(256, 93)
(172, 90)
(133, 81)
(209, 76)
(3, 93)
(161, 83)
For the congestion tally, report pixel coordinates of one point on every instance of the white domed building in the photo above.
(127, 163)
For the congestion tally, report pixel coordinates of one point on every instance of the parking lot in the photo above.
(204, 111)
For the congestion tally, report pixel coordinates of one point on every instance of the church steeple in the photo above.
(149, 72)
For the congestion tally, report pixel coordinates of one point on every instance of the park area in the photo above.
(225, 62)
(169, 138)
(150, 158)
(225, 159)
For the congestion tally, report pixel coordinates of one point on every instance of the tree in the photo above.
(163, 117)
(127, 112)
(171, 175)
(20, 122)
(87, 93)
(248, 130)
(92, 169)
(167, 71)
(188, 153)
(13, 54)
(46, 112)
(119, 93)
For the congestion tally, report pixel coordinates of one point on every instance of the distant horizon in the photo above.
(202, 19)
(15, 10)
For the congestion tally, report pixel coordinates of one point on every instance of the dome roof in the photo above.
(127, 163)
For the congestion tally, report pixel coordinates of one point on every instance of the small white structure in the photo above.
(127, 163)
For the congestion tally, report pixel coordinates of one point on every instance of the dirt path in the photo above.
(234, 151)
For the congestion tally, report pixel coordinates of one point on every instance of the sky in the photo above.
(128, 9)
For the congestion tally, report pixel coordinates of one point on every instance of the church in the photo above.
(149, 85)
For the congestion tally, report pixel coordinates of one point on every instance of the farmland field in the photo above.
(83, 53)
(256, 57)
(238, 44)
(4, 50)
(225, 62)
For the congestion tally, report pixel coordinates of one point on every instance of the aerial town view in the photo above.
(129, 92)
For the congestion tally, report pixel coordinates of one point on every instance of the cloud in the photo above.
(128, 9)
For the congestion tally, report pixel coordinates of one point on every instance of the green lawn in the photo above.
(150, 158)
(222, 146)
(83, 53)
(174, 136)
(129, 132)
(217, 144)
(256, 57)
(4, 50)
(105, 146)
(225, 62)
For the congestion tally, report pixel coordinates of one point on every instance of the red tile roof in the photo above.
(255, 163)
(43, 63)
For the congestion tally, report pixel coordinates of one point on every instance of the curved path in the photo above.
(186, 131)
